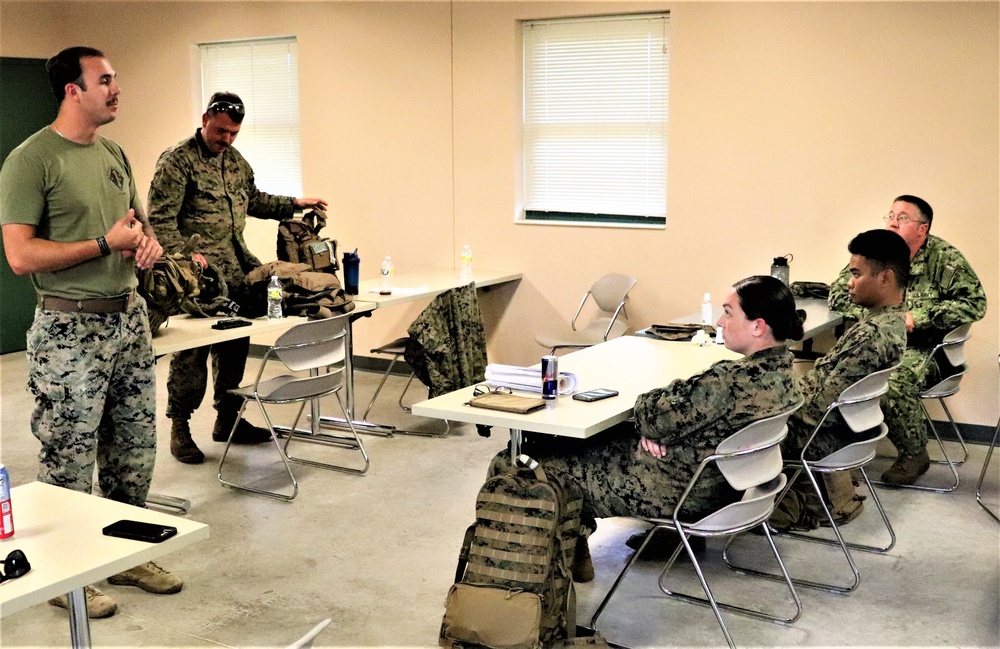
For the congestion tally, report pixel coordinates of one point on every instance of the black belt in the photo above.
(116, 304)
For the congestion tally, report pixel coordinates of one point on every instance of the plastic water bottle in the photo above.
(706, 310)
(274, 298)
(386, 275)
(466, 259)
(6, 515)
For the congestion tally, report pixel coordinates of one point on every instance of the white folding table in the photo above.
(59, 531)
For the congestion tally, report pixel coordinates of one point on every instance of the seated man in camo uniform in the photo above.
(942, 293)
(642, 469)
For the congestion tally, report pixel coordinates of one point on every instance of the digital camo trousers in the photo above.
(901, 403)
(94, 382)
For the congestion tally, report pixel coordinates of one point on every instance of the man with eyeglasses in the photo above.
(204, 186)
(943, 293)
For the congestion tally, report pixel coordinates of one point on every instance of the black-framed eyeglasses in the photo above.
(14, 566)
(227, 107)
(480, 390)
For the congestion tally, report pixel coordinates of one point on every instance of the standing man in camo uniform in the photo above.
(642, 469)
(204, 186)
(943, 293)
(72, 219)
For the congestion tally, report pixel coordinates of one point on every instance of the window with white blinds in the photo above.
(595, 119)
(265, 74)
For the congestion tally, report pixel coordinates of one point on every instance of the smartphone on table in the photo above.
(596, 394)
(139, 531)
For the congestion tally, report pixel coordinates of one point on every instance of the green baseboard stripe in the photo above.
(972, 433)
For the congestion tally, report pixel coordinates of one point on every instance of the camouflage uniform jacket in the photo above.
(874, 343)
(447, 344)
(691, 417)
(194, 192)
(943, 293)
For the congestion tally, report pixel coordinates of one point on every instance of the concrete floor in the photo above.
(377, 554)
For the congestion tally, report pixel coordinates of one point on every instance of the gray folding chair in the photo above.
(750, 461)
(982, 474)
(952, 350)
(858, 406)
(610, 294)
(315, 351)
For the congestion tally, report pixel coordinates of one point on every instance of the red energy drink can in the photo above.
(550, 377)
(6, 516)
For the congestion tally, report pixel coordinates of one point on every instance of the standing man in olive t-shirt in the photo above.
(72, 219)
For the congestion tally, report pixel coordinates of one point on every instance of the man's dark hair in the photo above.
(65, 68)
(922, 206)
(884, 250)
(763, 296)
(228, 103)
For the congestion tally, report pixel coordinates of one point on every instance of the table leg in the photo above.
(79, 623)
(171, 504)
(516, 437)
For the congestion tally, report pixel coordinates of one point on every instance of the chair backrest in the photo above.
(953, 344)
(859, 403)
(610, 293)
(314, 344)
(752, 455)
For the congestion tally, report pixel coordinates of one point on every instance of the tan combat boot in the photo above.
(907, 468)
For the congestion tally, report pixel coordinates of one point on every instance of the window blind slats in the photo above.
(264, 73)
(595, 115)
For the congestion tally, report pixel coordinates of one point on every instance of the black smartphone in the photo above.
(139, 531)
(595, 395)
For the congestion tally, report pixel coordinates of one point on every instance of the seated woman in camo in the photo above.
(642, 469)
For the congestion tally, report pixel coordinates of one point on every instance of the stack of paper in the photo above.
(526, 378)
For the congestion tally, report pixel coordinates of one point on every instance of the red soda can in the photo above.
(6, 516)
(550, 377)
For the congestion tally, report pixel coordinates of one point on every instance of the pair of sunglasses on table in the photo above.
(14, 566)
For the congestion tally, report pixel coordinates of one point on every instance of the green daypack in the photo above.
(172, 280)
(299, 242)
(514, 584)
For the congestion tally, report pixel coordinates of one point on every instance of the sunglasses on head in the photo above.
(14, 566)
(227, 107)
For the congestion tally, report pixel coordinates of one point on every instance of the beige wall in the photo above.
(791, 128)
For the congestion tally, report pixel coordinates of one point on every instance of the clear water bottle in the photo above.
(386, 270)
(274, 298)
(466, 259)
(706, 310)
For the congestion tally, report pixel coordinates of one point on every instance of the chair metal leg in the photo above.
(709, 599)
(879, 549)
(982, 475)
(378, 390)
(294, 433)
(277, 445)
(958, 435)
(838, 542)
(944, 453)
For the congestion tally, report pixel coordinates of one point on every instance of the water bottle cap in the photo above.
(708, 297)
(780, 261)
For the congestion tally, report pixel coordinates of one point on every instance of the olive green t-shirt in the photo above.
(71, 192)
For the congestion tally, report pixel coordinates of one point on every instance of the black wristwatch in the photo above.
(102, 243)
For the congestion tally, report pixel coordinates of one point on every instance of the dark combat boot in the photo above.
(182, 446)
(246, 433)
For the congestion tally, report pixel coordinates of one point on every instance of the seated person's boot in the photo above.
(907, 468)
